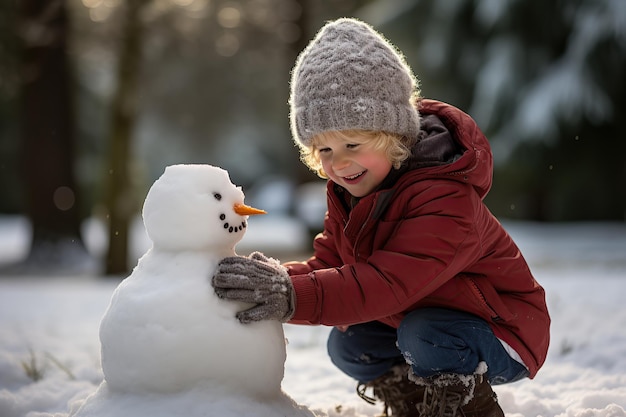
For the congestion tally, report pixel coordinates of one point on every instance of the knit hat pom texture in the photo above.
(350, 77)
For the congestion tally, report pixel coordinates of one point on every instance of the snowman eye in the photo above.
(217, 196)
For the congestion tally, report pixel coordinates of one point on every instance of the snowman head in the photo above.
(195, 207)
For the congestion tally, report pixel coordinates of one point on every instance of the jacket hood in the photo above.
(451, 145)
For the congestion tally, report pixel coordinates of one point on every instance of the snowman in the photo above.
(168, 343)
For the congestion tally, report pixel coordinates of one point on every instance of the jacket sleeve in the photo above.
(431, 239)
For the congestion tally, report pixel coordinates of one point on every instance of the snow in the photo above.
(168, 343)
(564, 89)
(55, 321)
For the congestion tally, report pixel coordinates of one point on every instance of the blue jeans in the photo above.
(432, 340)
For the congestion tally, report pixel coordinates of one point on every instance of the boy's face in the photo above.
(354, 164)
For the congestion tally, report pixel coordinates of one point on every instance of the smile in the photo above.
(232, 228)
(355, 176)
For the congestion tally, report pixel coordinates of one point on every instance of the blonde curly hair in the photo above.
(396, 147)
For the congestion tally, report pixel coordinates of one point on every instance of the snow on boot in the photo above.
(396, 391)
(456, 395)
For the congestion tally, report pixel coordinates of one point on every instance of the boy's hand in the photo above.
(257, 280)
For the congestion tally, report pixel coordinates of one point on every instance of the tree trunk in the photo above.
(120, 201)
(47, 132)
(303, 174)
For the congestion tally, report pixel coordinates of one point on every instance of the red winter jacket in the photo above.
(425, 240)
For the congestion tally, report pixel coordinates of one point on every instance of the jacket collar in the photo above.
(450, 145)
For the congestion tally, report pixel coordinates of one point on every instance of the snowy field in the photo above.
(49, 348)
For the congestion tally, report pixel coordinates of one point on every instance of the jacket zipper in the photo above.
(357, 239)
(483, 300)
(477, 152)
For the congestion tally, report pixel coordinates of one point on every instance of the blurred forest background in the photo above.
(98, 96)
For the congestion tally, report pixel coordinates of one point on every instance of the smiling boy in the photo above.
(431, 301)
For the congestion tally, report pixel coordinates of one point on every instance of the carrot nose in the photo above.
(244, 210)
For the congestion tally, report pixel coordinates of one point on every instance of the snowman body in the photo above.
(165, 330)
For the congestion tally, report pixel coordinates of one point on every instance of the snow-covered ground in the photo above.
(49, 332)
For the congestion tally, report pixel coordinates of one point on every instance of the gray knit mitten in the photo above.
(257, 280)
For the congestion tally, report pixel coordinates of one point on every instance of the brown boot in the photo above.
(454, 395)
(396, 391)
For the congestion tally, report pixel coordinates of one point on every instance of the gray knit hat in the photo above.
(350, 77)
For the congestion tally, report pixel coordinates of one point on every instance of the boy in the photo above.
(431, 300)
